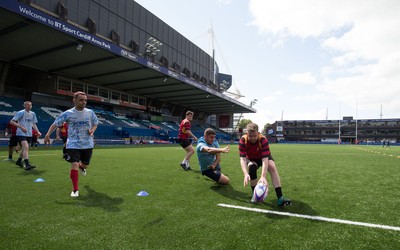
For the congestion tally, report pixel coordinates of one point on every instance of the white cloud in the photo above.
(310, 97)
(303, 78)
(307, 18)
(224, 2)
(360, 36)
(319, 114)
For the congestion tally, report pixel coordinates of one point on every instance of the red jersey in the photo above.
(64, 130)
(34, 134)
(183, 128)
(255, 151)
(12, 129)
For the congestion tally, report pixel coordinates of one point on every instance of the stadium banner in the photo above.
(50, 21)
(225, 120)
(224, 81)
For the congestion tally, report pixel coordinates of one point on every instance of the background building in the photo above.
(347, 130)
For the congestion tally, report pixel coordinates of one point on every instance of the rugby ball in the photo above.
(260, 192)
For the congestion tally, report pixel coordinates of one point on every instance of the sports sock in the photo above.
(252, 188)
(27, 162)
(10, 157)
(74, 178)
(19, 160)
(278, 192)
(64, 150)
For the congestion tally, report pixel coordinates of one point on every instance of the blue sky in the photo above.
(305, 59)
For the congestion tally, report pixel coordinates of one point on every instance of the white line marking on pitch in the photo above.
(32, 155)
(349, 222)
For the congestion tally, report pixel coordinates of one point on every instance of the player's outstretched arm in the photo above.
(49, 132)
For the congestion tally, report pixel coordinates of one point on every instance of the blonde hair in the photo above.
(189, 113)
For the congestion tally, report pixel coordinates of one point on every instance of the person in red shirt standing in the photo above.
(34, 141)
(13, 142)
(183, 139)
(254, 152)
(63, 133)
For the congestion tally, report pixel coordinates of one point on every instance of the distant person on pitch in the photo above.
(82, 123)
(209, 156)
(254, 152)
(62, 132)
(34, 142)
(13, 141)
(25, 120)
(183, 139)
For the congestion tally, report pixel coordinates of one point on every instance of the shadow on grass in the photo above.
(297, 207)
(154, 222)
(31, 172)
(229, 192)
(96, 199)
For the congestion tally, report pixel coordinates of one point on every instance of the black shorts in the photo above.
(259, 161)
(184, 142)
(64, 139)
(214, 174)
(24, 138)
(13, 142)
(79, 155)
(253, 170)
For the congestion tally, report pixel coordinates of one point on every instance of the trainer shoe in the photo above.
(75, 193)
(82, 171)
(183, 165)
(20, 164)
(284, 202)
(188, 167)
(29, 167)
(8, 159)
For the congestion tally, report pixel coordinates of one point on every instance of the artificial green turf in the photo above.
(357, 183)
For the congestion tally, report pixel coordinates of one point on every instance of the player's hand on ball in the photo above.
(262, 180)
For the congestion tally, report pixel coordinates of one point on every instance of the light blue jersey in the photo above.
(205, 159)
(25, 119)
(79, 124)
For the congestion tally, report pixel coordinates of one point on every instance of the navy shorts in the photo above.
(184, 142)
(13, 142)
(79, 155)
(24, 138)
(214, 174)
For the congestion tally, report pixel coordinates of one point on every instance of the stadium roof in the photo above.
(33, 39)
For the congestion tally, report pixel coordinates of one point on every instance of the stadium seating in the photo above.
(112, 126)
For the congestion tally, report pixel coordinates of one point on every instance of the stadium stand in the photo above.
(113, 126)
